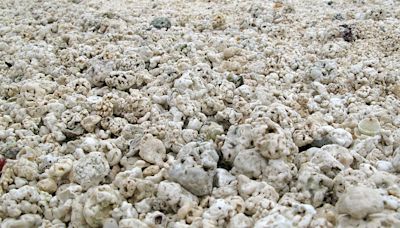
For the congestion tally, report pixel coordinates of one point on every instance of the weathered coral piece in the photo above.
(358, 202)
(90, 170)
(195, 167)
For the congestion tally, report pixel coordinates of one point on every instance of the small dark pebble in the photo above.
(161, 22)
(338, 17)
(11, 153)
(237, 79)
(347, 33)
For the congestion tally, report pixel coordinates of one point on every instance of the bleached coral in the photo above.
(208, 114)
(358, 202)
(152, 150)
(101, 200)
(90, 170)
(195, 167)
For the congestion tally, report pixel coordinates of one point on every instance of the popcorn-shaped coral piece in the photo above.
(195, 167)
(101, 200)
(239, 137)
(90, 170)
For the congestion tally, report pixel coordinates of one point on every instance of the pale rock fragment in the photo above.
(218, 212)
(26, 220)
(387, 219)
(385, 180)
(238, 138)
(71, 121)
(270, 139)
(229, 115)
(90, 143)
(359, 202)
(115, 153)
(126, 210)
(56, 108)
(347, 178)
(189, 135)
(273, 220)
(144, 206)
(313, 184)
(62, 167)
(90, 170)
(250, 163)
(136, 107)
(101, 107)
(212, 131)
(80, 85)
(195, 167)
(47, 185)
(63, 203)
(131, 185)
(124, 181)
(218, 21)
(24, 200)
(259, 197)
(31, 91)
(326, 163)
(121, 80)
(26, 169)
(211, 105)
(298, 215)
(194, 123)
(325, 216)
(225, 184)
(223, 178)
(152, 150)
(89, 122)
(330, 135)
(279, 174)
(175, 198)
(385, 166)
(151, 170)
(101, 200)
(341, 154)
(292, 137)
(366, 146)
(240, 221)
(341, 137)
(55, 126)
(132, 222)
(110, 223)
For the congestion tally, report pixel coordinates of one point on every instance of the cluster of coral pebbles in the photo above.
(175, 113)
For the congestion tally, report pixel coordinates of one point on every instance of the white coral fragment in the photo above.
(358, 202)
(99, 203)
(152, 150)
(90, 170)
(195, 167)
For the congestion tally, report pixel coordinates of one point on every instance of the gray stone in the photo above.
(195, 167)
(161, 22)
